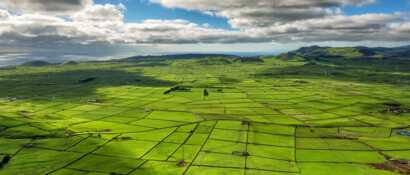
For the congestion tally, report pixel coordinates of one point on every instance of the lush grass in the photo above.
(322, 116)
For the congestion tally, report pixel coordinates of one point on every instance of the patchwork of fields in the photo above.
(271, 118)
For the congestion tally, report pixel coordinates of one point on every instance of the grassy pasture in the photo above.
(272, 118)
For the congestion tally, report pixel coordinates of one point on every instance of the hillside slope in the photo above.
(347, 52)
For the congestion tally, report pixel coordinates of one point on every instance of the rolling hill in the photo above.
(315, 52)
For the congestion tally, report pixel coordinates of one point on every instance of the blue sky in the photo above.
(381, 6)
(138, 10)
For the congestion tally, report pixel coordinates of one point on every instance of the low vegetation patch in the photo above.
(215, 61)
(395, 108)
(240, 153)
(250, 60)
(399, 166)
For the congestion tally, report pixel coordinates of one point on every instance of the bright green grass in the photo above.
(339, 169)
(160, 168)
(273, 118)
(217, 159)
(106, 164)
(126, 148)
(38, 161)
(339, 156)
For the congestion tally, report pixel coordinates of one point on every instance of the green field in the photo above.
(215, 116)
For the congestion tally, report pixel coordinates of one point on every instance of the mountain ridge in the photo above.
(315, 52)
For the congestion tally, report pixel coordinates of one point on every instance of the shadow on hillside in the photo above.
(71, 85)
(364, 71)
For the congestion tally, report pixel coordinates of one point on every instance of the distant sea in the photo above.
(11, 59)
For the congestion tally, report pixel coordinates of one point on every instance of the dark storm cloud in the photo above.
(45, 6)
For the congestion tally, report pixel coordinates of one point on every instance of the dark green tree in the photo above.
(206, 93)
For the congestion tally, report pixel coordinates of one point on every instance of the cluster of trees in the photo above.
(206, 93)
(6, 159)
(177, 88)
(395, 108)
(184, 89)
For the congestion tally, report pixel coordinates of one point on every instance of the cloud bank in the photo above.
(45, 24)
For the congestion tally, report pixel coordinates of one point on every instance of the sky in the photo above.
(61, 30)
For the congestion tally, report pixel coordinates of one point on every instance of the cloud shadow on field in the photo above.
(71, 85)
(389, 72)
